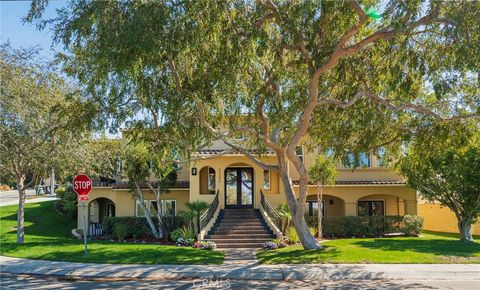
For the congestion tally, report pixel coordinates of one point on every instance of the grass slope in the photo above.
(430, 248)
(47, 238)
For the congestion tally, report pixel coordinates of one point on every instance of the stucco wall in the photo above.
(399, 199)
(219, 165)
(124, 201)
(441, 219)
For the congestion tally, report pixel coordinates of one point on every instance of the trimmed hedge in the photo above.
(368, 226)
(137, 227)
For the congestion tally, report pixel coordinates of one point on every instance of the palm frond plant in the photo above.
(285, 216)
(198, 207)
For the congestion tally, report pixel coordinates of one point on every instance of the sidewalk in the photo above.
(332, 272)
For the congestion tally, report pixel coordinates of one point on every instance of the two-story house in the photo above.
(233, 181)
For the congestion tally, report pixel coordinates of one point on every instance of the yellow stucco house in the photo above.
(233, 182)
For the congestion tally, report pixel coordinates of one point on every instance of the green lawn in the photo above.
(429, 248)
(47, 238)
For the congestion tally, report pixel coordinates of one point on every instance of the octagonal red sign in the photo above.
(82, 184)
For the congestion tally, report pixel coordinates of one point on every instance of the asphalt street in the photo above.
(12, 281)
(11, 197)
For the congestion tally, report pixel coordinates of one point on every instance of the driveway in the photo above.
(11, 197)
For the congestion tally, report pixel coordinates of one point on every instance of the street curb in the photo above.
(323, 272)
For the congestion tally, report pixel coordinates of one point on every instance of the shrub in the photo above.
(292, 235)
(175, 234)
(187, 233)
(67, 201)
(412, 225)
(270, 245)
(120, 231)
(366, 226)
(136, 226)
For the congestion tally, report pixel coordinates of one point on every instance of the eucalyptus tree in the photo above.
(443, 164)
(279, 73)
(40, 126)
(144, 167)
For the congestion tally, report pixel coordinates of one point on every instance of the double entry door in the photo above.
(238, 187)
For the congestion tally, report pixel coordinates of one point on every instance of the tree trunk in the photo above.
(306, 238)
(298, 218)
(320, 213)
(146, 211)
(465, 227)
(21, 210)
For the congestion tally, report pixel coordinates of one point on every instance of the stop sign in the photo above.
(82, 184)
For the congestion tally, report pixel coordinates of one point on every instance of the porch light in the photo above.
(194, 170)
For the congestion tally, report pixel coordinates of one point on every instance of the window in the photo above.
(299, 152)
(330, 153)
(312, 208)
(119, 166)
(381, 158)
(364, 160)
(110, 210)
(266, 179)
(361, 160)
(167, 207)
(211, 179)
(371, 207)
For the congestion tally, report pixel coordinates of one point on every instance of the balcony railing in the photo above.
(270, 210)
(208, 214)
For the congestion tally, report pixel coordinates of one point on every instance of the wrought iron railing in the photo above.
(270, 211)
(208, 214)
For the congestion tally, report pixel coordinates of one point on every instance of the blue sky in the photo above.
(26, 35)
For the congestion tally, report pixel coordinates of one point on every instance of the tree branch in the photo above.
(251, 157)
(396, 108)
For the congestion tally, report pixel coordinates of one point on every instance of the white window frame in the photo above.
(301, 156)
(269, 179)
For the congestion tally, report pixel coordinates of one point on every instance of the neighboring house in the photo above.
(237, 182)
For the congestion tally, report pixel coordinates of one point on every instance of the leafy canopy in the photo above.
(443, 164)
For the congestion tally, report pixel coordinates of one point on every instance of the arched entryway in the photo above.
(100, 208)
(207, 180)
(239, 186)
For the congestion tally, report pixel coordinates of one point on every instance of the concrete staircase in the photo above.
(239, 228)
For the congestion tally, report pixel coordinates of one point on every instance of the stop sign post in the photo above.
(82, 185)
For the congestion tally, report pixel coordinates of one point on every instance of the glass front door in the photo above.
(239, 187)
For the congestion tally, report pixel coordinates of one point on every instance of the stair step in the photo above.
(239, 228)
(243, 228)
(240, 246)
(243, 232)
(239, 241)
(230, 223)
(239, 236)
